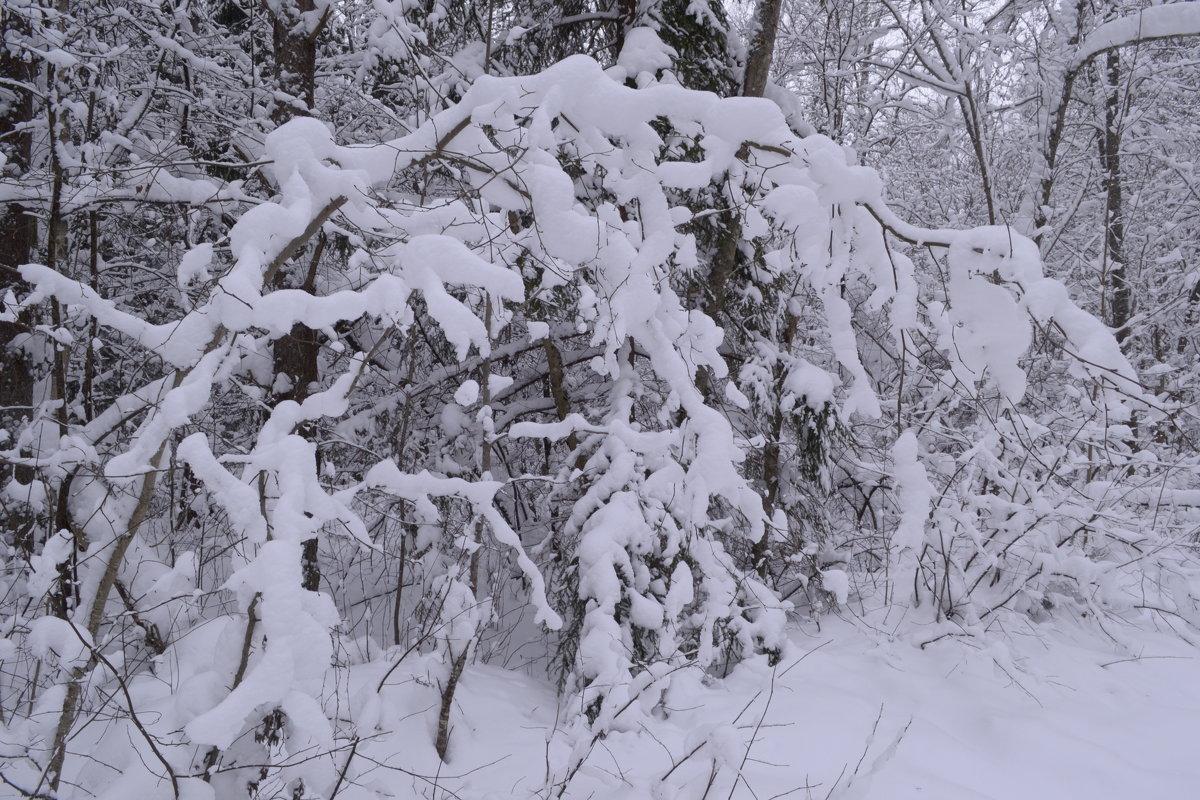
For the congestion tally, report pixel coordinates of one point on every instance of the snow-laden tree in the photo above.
(603, 365)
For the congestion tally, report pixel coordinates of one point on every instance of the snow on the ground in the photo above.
(957, 720)
(855, 714)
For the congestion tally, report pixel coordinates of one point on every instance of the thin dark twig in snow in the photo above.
(432, 780)
(870, 741)
(833, 788)
(657, 741)
(1018, 684)
(26, 792)
(795, 663)
(861, 758)
(314, 752)
(599, 735)
(133, 716)
(1144, 658)
(337, 787)
(803, 787)
(754, 737)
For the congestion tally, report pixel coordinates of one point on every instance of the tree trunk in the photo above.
(442, 743)
(762, 48)
(294, 37)
(1120, 301)
(754, 83)
(18, 236)
(1055, 126)
(294, 32)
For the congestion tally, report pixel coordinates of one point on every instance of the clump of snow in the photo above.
(498, 383)
(194, 265)
(44, 566)
(467, 394)
(642, 55)
(837, 583)
(58, 641)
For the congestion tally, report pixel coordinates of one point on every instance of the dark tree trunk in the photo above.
(762, 48)
(294, 33)
(294, 37)
(442, 743)
(18, 237)
(754, 84)
(295, 49)
(1057, 124)
(1120, 303)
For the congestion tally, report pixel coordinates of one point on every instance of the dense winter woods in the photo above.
(350, 349)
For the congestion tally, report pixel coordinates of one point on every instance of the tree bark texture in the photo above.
(18, 229)
(762, 48)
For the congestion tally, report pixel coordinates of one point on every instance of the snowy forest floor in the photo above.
(852, 712)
